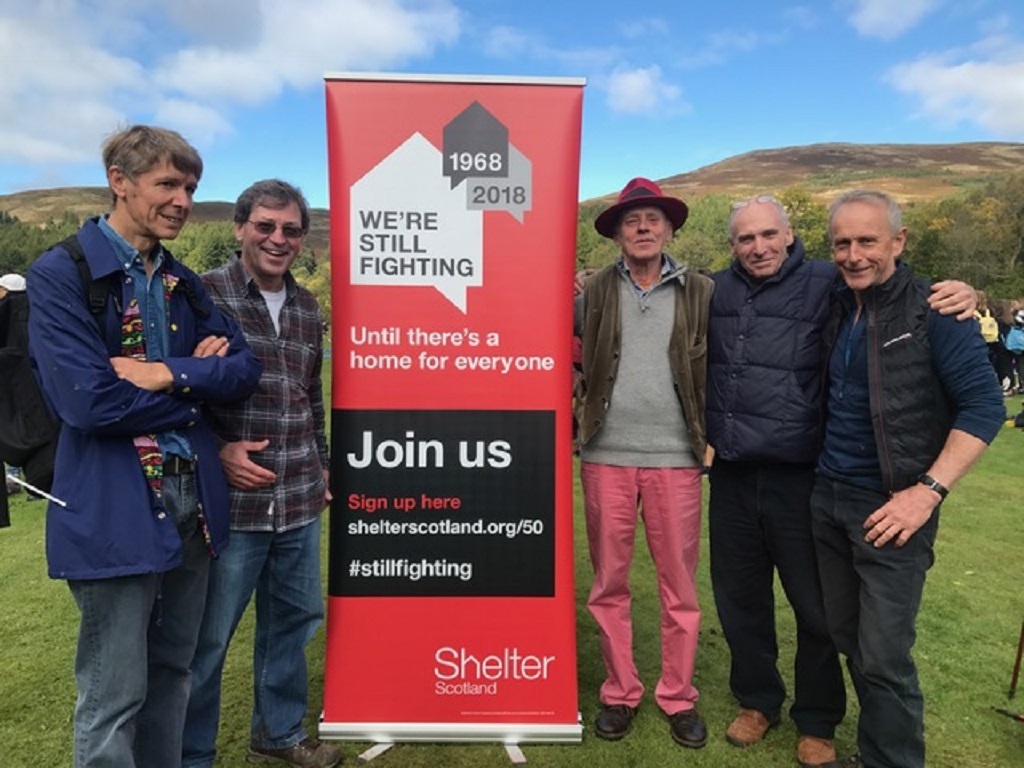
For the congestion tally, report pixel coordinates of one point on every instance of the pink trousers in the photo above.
(669, 501)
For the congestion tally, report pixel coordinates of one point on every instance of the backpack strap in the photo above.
(193, 299)
(97, 291)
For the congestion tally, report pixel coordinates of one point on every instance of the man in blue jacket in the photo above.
(141, 500)
(764, 422)
(912, 404)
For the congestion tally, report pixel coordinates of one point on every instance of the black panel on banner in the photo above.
(443, 503)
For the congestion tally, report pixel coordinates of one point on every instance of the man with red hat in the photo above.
(643, 321)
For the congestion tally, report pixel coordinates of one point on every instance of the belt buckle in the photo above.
(177, 465)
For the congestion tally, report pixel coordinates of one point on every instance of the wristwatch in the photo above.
(930, 482)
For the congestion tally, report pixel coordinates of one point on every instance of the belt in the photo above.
(178, 465)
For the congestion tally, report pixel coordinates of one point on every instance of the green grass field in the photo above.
(967, 636)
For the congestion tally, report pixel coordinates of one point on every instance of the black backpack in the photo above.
(28, 430)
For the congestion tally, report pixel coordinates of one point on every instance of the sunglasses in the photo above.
(750, 201)
(269, 227)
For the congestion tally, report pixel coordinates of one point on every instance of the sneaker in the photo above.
(687, 729)
(614, 720)
(308, 753)
(749, 727)
(813, 752)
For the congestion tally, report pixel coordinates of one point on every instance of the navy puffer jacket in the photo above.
(764, 361)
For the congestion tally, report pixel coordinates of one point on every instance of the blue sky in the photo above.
(671, 86)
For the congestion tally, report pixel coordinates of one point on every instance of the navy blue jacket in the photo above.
(114, 525)
(764, 361)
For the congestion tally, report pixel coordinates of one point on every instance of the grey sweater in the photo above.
(644, 425)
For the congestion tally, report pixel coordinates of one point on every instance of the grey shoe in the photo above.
(308, 753)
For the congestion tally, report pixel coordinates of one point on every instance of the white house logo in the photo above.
(459, 672)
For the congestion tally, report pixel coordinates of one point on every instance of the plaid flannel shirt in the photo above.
(287, 407)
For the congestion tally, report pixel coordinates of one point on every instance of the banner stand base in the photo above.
(515, 754)
(386, 735)
(375, 751)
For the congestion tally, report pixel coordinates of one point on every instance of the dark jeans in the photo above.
(871, 599)
(760, 522)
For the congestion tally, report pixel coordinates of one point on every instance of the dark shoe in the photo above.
(688, 729)
(614, 720)
(308, 753)
(749, 727)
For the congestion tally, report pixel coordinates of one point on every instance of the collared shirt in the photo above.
(287, 408)
(668, 269)
(149, 293)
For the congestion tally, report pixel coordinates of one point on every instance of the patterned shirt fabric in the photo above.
(144, 336)
(287, 408)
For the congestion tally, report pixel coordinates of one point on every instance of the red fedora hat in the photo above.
(637, 192)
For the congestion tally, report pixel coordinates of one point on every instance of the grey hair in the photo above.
(140, 148)
(739, 205)
(871, 196)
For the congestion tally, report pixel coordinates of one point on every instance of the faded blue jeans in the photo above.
(283, 569)
(135, 644)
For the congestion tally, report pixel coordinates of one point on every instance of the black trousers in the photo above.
(760, 523)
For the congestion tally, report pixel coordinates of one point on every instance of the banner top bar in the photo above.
(436, 78)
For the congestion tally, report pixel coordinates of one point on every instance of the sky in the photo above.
(670, 86)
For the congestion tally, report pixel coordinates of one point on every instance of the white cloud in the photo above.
(201, 124)
(76, 70)
(504, 42)
(802, 16)
(724, 45)
(954, 88)
(302, 39)
(640, 90)
(508, 43)
(888, 19)
(645, 28)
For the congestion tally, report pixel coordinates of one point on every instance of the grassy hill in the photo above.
(910, 172)
(39, 206)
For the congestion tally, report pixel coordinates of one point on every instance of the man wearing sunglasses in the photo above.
(274, 452)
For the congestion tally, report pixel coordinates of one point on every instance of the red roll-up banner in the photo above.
(451, 607)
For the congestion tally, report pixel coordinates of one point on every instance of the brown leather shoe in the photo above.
(812, 752)
(308, 753)
(748, 728)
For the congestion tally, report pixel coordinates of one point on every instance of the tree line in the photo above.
(975, 235)
(201, 246)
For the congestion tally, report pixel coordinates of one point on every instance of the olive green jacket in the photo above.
(601, 331)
